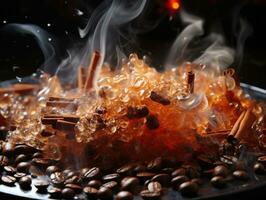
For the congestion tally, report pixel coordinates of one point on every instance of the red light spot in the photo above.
(173, 5)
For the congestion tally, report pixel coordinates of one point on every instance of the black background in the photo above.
(22, 51)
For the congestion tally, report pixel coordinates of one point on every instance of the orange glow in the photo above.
(175, 5)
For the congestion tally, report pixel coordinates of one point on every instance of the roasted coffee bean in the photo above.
(229, 160)
(73, 180)
(154, 186)
(159, 99)
(178, 180)
(105, 193)
(93, 173)
(55, 193)
(21, 158)
(130, 184)
(37, 155)
(57, 178)
(168, 170)
(95, 184)
(8, 180)
(137, 112)
(10, 170)
(240, 175)
(152, 122)
(232, 140)
(179, 172)
(76, 188)
(197, 181)
(25, 182)
(112, 185)
(163, 179)
(259, 168)
(18, 175)
(147, 182)
(155, 164)
(24, 149)
(52, 169)
(90, 192)
(68, 193)
(111, 177)
(143, 176)
(126, 170)
(220, 170)
(8, 148)
(23, 167)
(218, 181)
(41, 162)
(41, 185)
(70, 174)
(148, 195)
(124, 195)
(140, 168)
(189, 189)
(204, 161)
(262, 160)
(3, 161)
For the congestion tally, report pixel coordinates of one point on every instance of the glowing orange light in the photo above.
(175, 5)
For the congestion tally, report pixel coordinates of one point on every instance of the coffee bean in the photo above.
(3, 161)
(189, 189)
(76, 188)
(218, 181)
(126, 170)
(68, 193)
(143, 176)
(25, 182)
(90, 192)
(95, 184)
(229, 160)
(70, 174)
(90, 174)
(55, 193)
(57, 178)
(148, 195)
(262, 160)
(259, 168)
(52, 169)
(41, 162)
(154, 186)
(111, 177)
(124, 195)
(168, 170)
(220, 170)
(41, 185)
(21, 158)
(137, 112)
(152, 122)
(155, 165)
(159, 99)
(130, 184)
(18, 175)
(8, 180)
(37, 155)
(240, 175)
(8, 148)
(205, 161)
(197, 181)
(112, 185)
(179, 172)
(24, 149)
(140, 168)
(105, 193)
(178, 180)
(73, 180)
(10, 170)
(23, 167)
(163, 179)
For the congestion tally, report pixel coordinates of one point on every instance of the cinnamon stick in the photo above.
(190, 81)
(60, 99)
(91, 70)
(69, 118)
(52, 121)
(81, 77)
(237, 124)
(21, 88)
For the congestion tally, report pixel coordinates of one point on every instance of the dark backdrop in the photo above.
(23, 52)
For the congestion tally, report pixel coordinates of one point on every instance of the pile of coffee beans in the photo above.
(25, 166)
